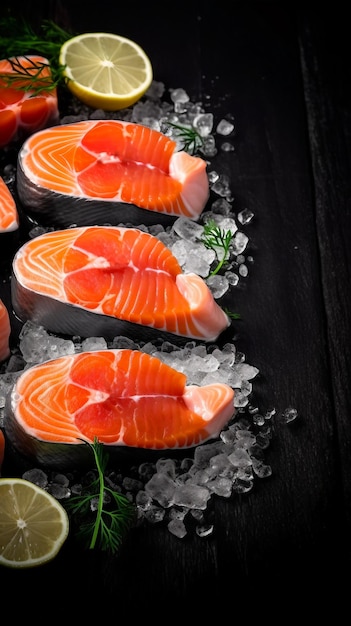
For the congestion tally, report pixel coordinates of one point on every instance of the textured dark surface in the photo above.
(284, 73)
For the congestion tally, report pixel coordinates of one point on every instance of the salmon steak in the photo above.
(109, 172)
(109, 281)
(5, 332)
(122, 397)
(26, 107)
(9, 218)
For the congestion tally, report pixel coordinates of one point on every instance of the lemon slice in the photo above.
(105, 71)
(33, 524)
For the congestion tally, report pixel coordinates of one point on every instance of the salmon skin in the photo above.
(124, 398)
(5, 332)
(109, 281)
(9, 218)
(22, 110)
(109, 172)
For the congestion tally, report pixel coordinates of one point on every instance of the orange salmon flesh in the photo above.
(113, 161)
(5, 332)
(123, 397)
(22, 112)
(9, 218)
(122, 273)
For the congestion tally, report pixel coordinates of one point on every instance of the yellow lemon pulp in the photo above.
(33, 524)
(105, 70)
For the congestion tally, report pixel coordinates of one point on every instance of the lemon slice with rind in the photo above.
(105, 70)
(33, 524)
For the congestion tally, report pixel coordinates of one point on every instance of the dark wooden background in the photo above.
(283, 71)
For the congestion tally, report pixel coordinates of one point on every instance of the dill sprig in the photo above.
(219, 240)
(190, 138)
(103, 515)
(18, 39)
(34, 77)
(231, 314)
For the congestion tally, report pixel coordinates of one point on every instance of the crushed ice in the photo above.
(176, 492)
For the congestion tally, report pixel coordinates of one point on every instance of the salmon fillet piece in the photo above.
(22, 111)
(9, 218)
(124, 398)
(115, 274)
(5, 332)
(72, 172)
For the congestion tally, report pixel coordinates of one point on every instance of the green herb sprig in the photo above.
(231, 314)
(105, 524)
(217, 239)
(32, 77)
(190, 138)
(18, 39)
